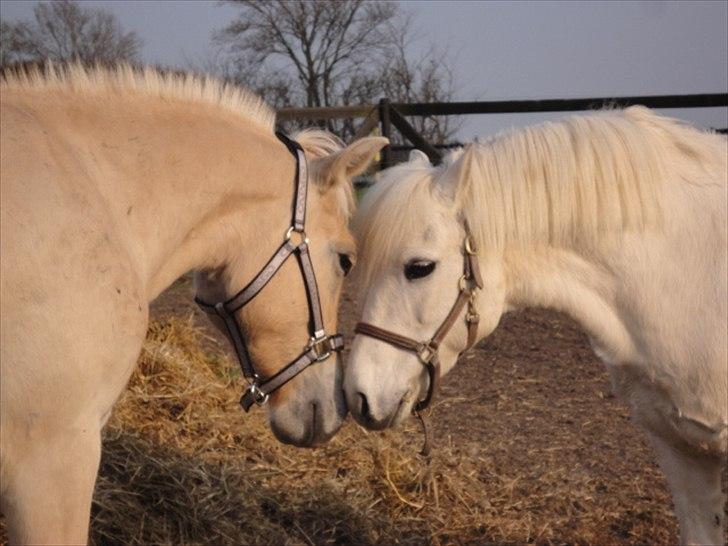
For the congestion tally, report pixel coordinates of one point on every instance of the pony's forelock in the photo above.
(390, 213)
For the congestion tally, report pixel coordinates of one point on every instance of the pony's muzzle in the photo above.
(375, 418)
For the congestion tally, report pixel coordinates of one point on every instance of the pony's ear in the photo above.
(418, 156)
(349, 162)
(457, 179)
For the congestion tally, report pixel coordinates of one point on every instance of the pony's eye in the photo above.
(345, 263)
(416, 269)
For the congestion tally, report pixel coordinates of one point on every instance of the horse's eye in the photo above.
(345, 263)
(416, 269)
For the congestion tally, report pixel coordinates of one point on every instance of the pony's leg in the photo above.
(694, 481)
(49, 484)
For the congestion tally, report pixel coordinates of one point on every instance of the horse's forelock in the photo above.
(390, 214)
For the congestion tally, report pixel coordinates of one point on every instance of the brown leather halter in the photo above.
(319, 346)
(428, 351)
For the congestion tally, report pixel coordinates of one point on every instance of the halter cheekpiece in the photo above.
(428, 351)
(295, 242)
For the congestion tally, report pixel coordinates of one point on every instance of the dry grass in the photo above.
(182, 464)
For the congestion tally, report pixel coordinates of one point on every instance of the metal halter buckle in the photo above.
(426, 353)
(259, 397)
(463, 283)
(321, 346)
(470, 246)
(301, 234)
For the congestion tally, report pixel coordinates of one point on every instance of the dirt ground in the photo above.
(535, 405)
(552, 457)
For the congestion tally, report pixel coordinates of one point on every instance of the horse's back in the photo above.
(675, 297)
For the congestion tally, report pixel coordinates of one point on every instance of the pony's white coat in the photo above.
(617, 218)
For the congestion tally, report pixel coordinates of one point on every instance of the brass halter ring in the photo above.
(258, 395)
(470, 247)
(426, 353)
(301, 233)
(321, 347)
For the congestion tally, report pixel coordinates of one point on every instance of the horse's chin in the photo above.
(307, 426)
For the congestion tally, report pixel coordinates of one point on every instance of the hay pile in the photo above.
(183, 464)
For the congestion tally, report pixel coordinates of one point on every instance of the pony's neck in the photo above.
(578, 285)
(201, 187)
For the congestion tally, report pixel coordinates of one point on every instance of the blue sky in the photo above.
(506, 50)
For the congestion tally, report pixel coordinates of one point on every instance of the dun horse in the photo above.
(616, 218)
(115, 183)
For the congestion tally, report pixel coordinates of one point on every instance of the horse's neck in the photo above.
(574, 284)
(193, 189)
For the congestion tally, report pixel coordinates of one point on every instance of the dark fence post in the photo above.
(411, 134)
(386, 128)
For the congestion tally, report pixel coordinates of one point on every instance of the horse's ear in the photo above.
(349, 162)
(457, 179)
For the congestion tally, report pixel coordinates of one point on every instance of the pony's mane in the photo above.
(569, 184)
(124, 78)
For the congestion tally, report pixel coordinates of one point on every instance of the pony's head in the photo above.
(276, 324)
(410, 230)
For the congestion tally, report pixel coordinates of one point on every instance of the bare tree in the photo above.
(325, 53)
(325, 43)
(65, 30)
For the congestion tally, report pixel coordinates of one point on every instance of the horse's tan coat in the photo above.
(113, 184)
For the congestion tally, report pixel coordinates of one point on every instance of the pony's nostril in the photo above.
(363, 406)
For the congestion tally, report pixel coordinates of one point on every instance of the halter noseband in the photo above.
(428, 351)
(320, 346)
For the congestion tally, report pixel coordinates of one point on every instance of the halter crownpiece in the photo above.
(428, 351)
(295, 242)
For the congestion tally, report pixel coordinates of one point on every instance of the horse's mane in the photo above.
(182, 86)
(320, 143)
(569, 184)
(124, 78)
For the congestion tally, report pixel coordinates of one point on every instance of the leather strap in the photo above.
(309, 278)
(427, 352)
(320, 346)
(403, 342)
(252, 289)
(331, 344)
(452, 316)
(301, 182)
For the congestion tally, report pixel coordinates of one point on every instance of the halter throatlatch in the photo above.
(295, 242)
(428, 351)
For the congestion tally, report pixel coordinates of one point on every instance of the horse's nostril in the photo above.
(363, 406)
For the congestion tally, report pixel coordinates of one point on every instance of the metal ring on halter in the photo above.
(426, 353)
(463, 283)
(317, 344)
(470, 246)
(259, 396)
(302, 234)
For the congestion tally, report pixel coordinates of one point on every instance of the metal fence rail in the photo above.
(387, 114)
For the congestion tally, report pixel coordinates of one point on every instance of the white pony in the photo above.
(617, 218)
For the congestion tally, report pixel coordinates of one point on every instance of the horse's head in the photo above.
(413, 274)
(278, 325)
